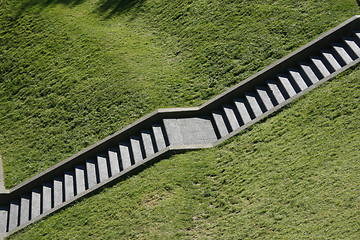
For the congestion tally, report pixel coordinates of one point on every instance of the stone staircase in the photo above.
(156, 134)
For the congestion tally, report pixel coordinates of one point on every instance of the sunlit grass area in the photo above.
(75, 71)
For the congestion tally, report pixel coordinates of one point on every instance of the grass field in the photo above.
(73, 72)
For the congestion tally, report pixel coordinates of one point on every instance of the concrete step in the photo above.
(353, 45)
(35, 203)
(149, 142)
(103, 170)
(255, 104)
(341, 51)
(287, 85)
(80, 179)
(24, 209)
(58, 191)
(309, 72)
(4, 214)
(320, 66)
(136, 149)
(299, 78)
(91, 169)
(265, 97)
(69, 185)
(276, 90)
(243, 109)
(160, 136)
(221, 126)
(14, 214)
(125, 155)
(114, 160)
(230, 113)
(46, 196)
(332, 59)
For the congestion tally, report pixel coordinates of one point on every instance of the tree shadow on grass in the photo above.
(106, 8)
(109, 8)
(44, 3)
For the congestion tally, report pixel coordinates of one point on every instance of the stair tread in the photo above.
(231, 116)
(91, 173)
(24, 209)
(254, 105)
(159, 136)
(320, 66)
(69, 185)
(80, 179)
(125, 155)
(4, 213)
(46, 197)
(35, 203)
(284, 80)
(275, 89)
(265, 98)
(309, 72)
(146, 136)
(13, 215)
(114, 161)
(331, 58)
(220, 123)
(298, 78)
(102, 167)
(343, 53)
(135, 143)
(58, 191)
(351, 43)
(243, 110)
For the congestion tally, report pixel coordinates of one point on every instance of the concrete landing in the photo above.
(190, 131)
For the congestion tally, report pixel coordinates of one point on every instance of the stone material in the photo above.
(2, 182)
(243, 110)
(159, 136)
(190, 131)
(220, 123)
(24, 209)
(102, 167)
(309, 72)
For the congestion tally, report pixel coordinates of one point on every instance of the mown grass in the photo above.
(72, 72)
(292, 176)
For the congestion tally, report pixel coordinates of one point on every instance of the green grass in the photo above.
(73, 72)
(293, 176)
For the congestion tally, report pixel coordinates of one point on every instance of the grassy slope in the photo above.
(283, 178)
(72, 72)
(293, 176)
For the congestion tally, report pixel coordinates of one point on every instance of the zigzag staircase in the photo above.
(172, 129)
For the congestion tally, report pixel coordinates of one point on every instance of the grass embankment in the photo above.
(73, 72)
(293, 176)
